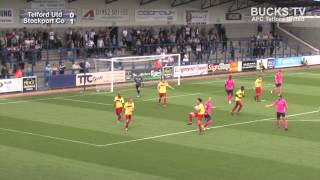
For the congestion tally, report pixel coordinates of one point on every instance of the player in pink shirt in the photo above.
(281, 108)
(208, 108)
(278, 82)
(229, 85)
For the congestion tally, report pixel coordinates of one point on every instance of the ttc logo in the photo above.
(90, 79)
(85, 78)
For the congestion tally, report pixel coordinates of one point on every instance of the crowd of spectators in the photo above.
(195, 43)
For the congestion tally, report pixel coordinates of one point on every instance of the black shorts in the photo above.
(279, 115)
(138, 86)
(229, 92)
(278, 85)
(207, 117)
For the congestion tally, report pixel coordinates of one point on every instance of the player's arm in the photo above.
(286, 108)
(170, 86)
(269, 105)
(158, 87)
(114, 103)
(122, 101)
(133, 107)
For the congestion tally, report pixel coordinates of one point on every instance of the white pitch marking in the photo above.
(146, 138)
(82, 101)
(183, 95)
(305, 120)
(48, 137)
(105, 104)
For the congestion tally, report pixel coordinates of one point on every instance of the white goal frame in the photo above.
(123, 59)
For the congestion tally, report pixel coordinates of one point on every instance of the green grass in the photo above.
(71, 136)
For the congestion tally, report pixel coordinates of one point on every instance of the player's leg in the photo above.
(118, 113)
(138, 90)
(274, 88)
(235, 107)
(128, 119)
(160, 97)
(285, 122)
(240, 106)
(199, 123)
(278, 119)
(258, 94)
(208, 121)
(280, 89)
(191, 115)
(165, 99)
(229, 96)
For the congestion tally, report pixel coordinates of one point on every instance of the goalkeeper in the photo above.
(139, 81)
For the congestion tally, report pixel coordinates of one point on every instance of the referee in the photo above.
(138, 80)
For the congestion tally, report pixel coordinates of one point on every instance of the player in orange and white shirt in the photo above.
(118, 106)
(198, 113)
(128, 111)
(162, 90)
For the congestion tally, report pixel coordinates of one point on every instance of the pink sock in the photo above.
(229, 98)
(278, 123)
(207, 123)
(285, 124)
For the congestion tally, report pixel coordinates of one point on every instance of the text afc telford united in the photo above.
(50, 17)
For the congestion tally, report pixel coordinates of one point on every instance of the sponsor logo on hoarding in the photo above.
(89, 14)
(197, 17)
(6, 15)
(167, 71)
(10, 85)
(7, 82)
(191, 70)
(106, 14)
(288, 62)
(233, 16)
(233, 66)
(312, 60)
(271, 63)
(89, 79)
(249, 65)
(156, 14)
(212, 68)
(29, 83)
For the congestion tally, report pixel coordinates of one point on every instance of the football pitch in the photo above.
(73, 136)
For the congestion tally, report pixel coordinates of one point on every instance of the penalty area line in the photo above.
(142, 139)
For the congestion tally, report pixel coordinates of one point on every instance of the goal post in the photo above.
(152, 67)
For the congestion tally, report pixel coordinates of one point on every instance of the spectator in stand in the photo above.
(87, 66)
(75, 68)
(47, 74)
(28, 70)
(62, 68)
(82, 67)
(54, 70)
(17, 71)
(4, 72)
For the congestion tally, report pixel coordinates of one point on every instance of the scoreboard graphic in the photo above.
(47, 16)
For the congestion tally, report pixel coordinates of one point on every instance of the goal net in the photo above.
(114, 71)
